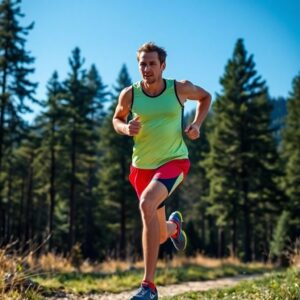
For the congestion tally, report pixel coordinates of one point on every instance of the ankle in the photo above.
(175, 234)
(149, 284)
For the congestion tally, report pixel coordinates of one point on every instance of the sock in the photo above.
(150, 284)
(175, 235)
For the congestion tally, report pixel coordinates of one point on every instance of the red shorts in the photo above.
(171, 174)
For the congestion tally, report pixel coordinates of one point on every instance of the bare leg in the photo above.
(153, 195)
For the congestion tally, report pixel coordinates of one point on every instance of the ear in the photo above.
(163, 65)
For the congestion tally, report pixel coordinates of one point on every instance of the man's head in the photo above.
(151, 47)
(152, 62)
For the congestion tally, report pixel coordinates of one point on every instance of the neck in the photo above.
(155, 88)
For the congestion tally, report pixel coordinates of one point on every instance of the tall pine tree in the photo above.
(242, 154)
(47, 124)
(83, 110)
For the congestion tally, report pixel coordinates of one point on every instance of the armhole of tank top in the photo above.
(182, 121)
(132, 97)
(175, 89)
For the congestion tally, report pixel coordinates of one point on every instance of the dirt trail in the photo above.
(170, 290)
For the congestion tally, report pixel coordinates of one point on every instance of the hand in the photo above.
(133, 127)
(192, 131)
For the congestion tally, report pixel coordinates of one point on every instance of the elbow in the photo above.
(208, 97)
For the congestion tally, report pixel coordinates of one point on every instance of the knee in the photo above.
(146, 208)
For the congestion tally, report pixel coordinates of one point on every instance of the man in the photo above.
(160, 156)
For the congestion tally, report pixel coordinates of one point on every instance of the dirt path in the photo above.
(170, 290)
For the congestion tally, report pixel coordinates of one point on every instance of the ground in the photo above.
(166, 291)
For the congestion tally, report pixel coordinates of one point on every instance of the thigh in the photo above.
(154, 194)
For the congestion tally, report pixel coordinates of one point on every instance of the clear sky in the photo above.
(199, 36)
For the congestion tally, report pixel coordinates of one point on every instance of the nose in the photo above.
(147, 67)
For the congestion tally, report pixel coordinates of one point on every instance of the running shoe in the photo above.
(145, 293)
(180, 241)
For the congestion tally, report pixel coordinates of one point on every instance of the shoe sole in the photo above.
(183, 232)
(185, 237)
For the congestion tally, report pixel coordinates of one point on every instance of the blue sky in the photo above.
(199, 36)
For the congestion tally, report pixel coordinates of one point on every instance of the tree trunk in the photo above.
(21, 222)
(247, 232)
(52, 187)
(72, 209)
(29, 208)
(221, 242)
(9, 220)
(88, 248)
(203, 231)
(234, 228)
(2, 113)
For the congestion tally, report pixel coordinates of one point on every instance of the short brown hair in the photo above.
(151, 47)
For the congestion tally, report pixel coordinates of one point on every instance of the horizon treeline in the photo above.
(64, 178)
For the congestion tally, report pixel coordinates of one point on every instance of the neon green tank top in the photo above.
(160, 138)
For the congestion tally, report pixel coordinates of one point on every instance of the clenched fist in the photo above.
(133, 127)
(192, 131)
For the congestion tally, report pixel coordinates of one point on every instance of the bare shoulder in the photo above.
(184, 83)
(187, 90)
(185, 86)
(125, 98)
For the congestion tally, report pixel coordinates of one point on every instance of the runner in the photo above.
(160, 157)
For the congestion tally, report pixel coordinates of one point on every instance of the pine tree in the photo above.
(97, 96)
(242, 153)
(15, 87)
(73, 129)
(82, 105)
(47, 124)
(291, 157)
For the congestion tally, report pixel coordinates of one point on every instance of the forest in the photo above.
(64, 176)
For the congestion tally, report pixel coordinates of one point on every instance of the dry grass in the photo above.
(294, 256)
(15, 276)
(202, 260)
(57, 263)
(51, 262)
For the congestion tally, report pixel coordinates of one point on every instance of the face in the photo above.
(150, 67)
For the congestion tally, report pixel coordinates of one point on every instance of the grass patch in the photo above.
(55, 274)
(278, 286)
(79, 283)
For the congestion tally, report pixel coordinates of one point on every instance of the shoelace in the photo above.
(142, 291)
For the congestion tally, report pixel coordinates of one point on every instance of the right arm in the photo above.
(121, 113)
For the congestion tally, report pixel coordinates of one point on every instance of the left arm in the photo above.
(187, 90)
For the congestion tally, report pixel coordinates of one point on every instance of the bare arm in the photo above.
(187, 90)
(121, 113)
